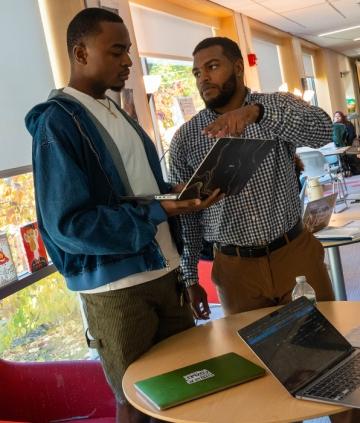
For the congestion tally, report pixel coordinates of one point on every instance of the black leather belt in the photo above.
(262, 250)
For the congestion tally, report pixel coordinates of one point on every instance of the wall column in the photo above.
(56, 16)
(251, 74)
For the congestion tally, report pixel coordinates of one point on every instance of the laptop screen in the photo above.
(317, 213)
(296, 343)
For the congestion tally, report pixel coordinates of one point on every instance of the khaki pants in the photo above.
(245, 284)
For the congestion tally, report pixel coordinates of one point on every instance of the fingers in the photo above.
(212, 199)
(199, 303)
(201, 310)
(175, 207)
(178, 188)
(218, 129)
(232, 123)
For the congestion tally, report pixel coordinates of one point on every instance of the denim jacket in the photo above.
(92, 237)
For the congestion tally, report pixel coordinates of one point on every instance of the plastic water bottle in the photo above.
(303, 289)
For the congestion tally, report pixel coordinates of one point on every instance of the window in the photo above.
(42, 322)
(308, 82)
(268, 65)
(177, 98)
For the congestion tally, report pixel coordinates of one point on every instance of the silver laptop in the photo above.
(317, 213)
(304, 351)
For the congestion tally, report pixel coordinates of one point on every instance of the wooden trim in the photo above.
(26, 280)
(165, 56)
(196, 11)
(308, 47)
(15, 171)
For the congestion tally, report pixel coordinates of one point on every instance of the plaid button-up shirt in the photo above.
(269, 204)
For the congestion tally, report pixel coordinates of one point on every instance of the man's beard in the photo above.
(117, 89)
(226, 93)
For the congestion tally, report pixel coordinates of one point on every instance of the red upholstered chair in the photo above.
(204, 270)
(62, 390)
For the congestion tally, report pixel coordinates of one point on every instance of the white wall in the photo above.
(161, 34)
(25, 77)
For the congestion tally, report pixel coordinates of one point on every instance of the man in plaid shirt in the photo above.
(260, 244)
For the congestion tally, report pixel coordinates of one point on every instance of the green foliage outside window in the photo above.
(176, 80)
(42, 322)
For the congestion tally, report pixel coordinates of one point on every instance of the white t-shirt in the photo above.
(141, 180)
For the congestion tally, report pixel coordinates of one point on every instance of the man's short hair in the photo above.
(230, 49)
(87, 23)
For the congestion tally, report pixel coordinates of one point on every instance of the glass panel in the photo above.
(17, 207)
(268, 65)
(177, 98)
(309, 84)
(42, 322)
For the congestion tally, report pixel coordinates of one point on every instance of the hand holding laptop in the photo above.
(175, 207)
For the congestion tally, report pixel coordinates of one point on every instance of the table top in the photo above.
(330, 151)
(339, 219)
(263, 400)
(353, 150)
(327, 150)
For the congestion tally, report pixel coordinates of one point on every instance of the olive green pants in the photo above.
(125, 323)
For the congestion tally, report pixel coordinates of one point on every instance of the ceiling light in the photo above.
(356, 39)
(339, 30)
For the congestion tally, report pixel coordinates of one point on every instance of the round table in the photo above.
(333, 247)
(337, 273)
(263, 400)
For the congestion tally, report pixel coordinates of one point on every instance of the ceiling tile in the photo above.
(306, 18)
(286, 5)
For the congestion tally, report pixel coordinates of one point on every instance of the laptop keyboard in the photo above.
(340, 383)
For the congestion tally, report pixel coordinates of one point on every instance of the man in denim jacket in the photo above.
(87, 156)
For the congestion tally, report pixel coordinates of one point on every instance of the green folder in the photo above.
(197, 380)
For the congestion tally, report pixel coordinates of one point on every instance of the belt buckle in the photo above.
(253, 251)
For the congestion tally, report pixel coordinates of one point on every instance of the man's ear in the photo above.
(239, 67)
(80, 54)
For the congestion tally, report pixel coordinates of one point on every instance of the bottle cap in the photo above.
(300, 279)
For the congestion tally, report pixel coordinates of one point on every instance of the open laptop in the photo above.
(304, 351)
(228, 165)
(197, 380)
(317, 213)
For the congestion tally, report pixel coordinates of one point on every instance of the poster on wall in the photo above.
(183, 109)
(34, 247)
(127, 102)
(7, 268)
